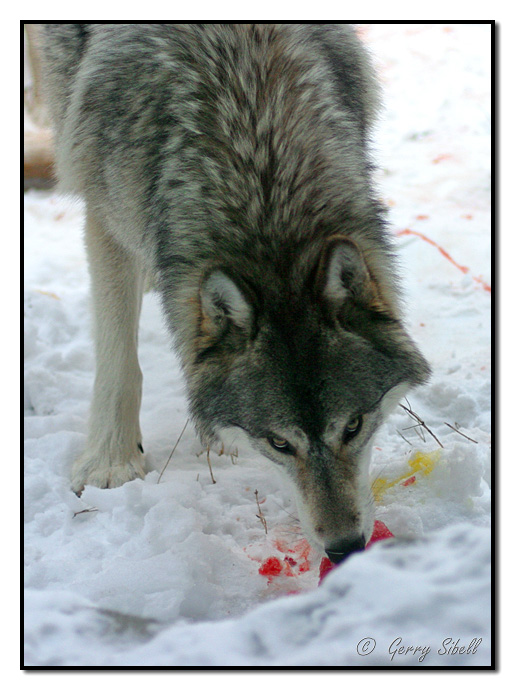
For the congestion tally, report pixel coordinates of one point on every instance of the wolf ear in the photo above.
(344, 273)
(221, 301)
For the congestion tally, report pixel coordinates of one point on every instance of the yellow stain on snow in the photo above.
(423, 463)
(48, 294)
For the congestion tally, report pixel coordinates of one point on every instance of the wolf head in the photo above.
(307, 369)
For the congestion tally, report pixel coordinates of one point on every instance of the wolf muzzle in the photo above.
(340, 550)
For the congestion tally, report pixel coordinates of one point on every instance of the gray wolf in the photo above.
(231, 162)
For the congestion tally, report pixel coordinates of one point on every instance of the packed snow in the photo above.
(165, 571)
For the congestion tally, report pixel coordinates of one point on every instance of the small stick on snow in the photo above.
(420, 422)
(404, 439)
(261, 517)
(210, 468)
(460, 432)
(86, 510)
(173, 450)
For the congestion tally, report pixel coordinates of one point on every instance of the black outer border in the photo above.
(495, 500)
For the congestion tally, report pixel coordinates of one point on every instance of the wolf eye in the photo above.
(280, 444)
(353, 428)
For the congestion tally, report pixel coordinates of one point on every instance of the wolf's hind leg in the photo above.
(113, 453)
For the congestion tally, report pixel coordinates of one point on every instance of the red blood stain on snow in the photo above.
(296, 557)
(271, 567)
(379, 533)
(463, 269)
(294, 562)
(409, 481)
(325, 567)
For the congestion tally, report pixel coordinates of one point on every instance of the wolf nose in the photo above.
(341, 549)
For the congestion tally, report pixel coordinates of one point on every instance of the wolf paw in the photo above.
(106, 473)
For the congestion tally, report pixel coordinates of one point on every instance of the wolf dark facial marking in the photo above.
(231, 162)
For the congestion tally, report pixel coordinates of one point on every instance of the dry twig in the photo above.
(460, 432)
(260, 515)
(173, 450)
(420, 421)
(86, 510)
(404, 439)
(210, 468)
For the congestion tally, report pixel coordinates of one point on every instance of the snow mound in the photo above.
(348, 621)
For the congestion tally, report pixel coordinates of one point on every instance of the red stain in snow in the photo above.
(291, 566)
(463, 269)
(442, 157)
(271, 567)
(294, 562)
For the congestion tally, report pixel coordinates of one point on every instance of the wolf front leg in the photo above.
(113, 453)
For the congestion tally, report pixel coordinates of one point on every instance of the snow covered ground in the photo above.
(165, 571)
